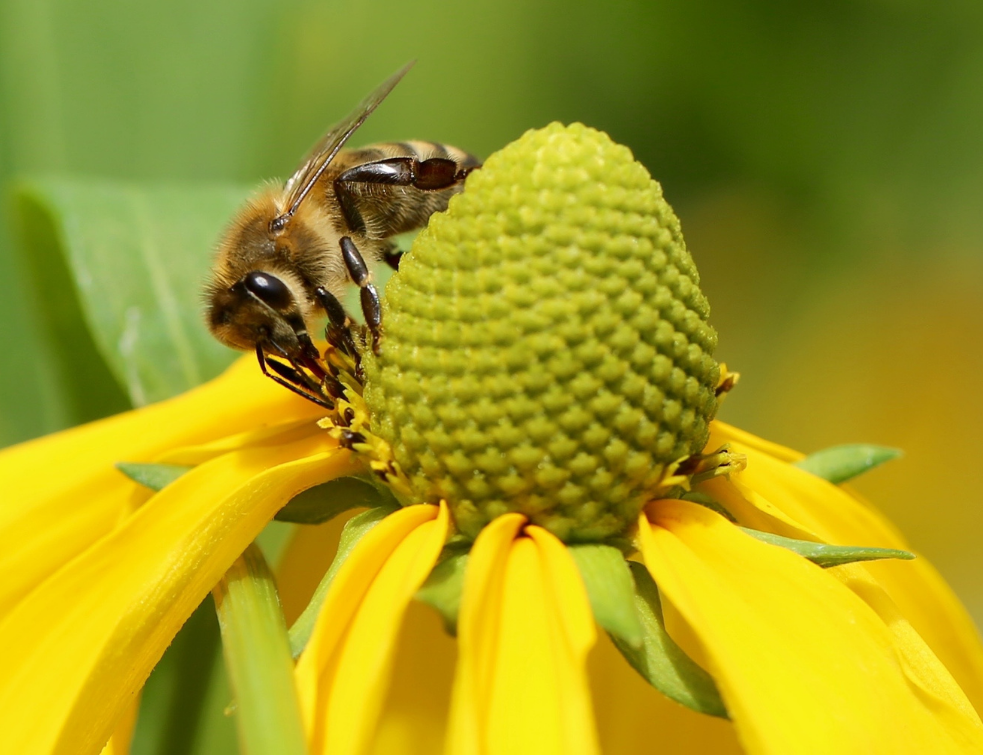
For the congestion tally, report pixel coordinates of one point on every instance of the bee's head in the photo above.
(261, 308)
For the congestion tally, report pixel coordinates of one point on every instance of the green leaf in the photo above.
(443, 588)
(610, 590)
(153, 476)
(829, 555)
(660, 660)
(257, 656)
(326, 501)
(355, 529)
(78, 382)
(137, 257)
(841, 463)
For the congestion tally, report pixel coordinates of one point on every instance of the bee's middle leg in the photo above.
(368, 294)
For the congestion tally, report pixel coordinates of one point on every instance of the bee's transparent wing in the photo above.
(300, 183)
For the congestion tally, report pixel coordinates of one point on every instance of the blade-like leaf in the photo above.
(323, 502)
(826, 555)
(137, 256)
(610, 590)
(257, 655)
(354, 530)
(443, 588)
(841, 463)
(660, 660)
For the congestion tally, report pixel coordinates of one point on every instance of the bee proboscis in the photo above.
(289, 254)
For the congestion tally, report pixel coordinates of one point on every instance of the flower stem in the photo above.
(257, 656)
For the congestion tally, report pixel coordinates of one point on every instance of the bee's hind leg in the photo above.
(368, 294)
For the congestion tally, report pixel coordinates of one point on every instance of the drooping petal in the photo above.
(922, 668)
(342, 675)
(525, 631)
(836, 514)
(78, 648)
(802, 662)
(414, 715)
(61, 492)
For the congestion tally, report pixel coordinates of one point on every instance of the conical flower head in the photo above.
(546, 348)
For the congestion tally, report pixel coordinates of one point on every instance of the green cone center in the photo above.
(546, 344)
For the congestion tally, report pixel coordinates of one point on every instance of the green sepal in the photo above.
(660, 660)
(443, 588)
(826, 555)
(324, 502)
(257, 656)
(153, 476)
(841, 463)
(355, 529)
(610, 590)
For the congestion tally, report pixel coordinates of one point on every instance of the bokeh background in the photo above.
(825, 157)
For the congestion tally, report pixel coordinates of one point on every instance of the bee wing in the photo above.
(302, 181)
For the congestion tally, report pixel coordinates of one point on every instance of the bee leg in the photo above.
(368, 295)
(338, 332)
(431, 175)
(289, 378)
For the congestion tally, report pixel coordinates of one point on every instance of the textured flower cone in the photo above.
(546, 347)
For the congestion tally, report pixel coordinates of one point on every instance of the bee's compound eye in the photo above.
(268, 289)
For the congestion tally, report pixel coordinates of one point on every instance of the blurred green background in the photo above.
(824, 157)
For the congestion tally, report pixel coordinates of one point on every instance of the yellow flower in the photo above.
(714, 603)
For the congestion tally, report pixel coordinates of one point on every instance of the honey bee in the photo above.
(286, 259)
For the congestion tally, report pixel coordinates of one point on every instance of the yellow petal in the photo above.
(836, 514)
(525, 631)
(254, 437)
(62, 492)
(343, 674)
(78, 648)
(936, 687)
(632, 717)
(414, 715)
(802, 662)
(721, 432)
(478, 633)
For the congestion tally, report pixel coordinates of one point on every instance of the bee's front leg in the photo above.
(291, 378)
